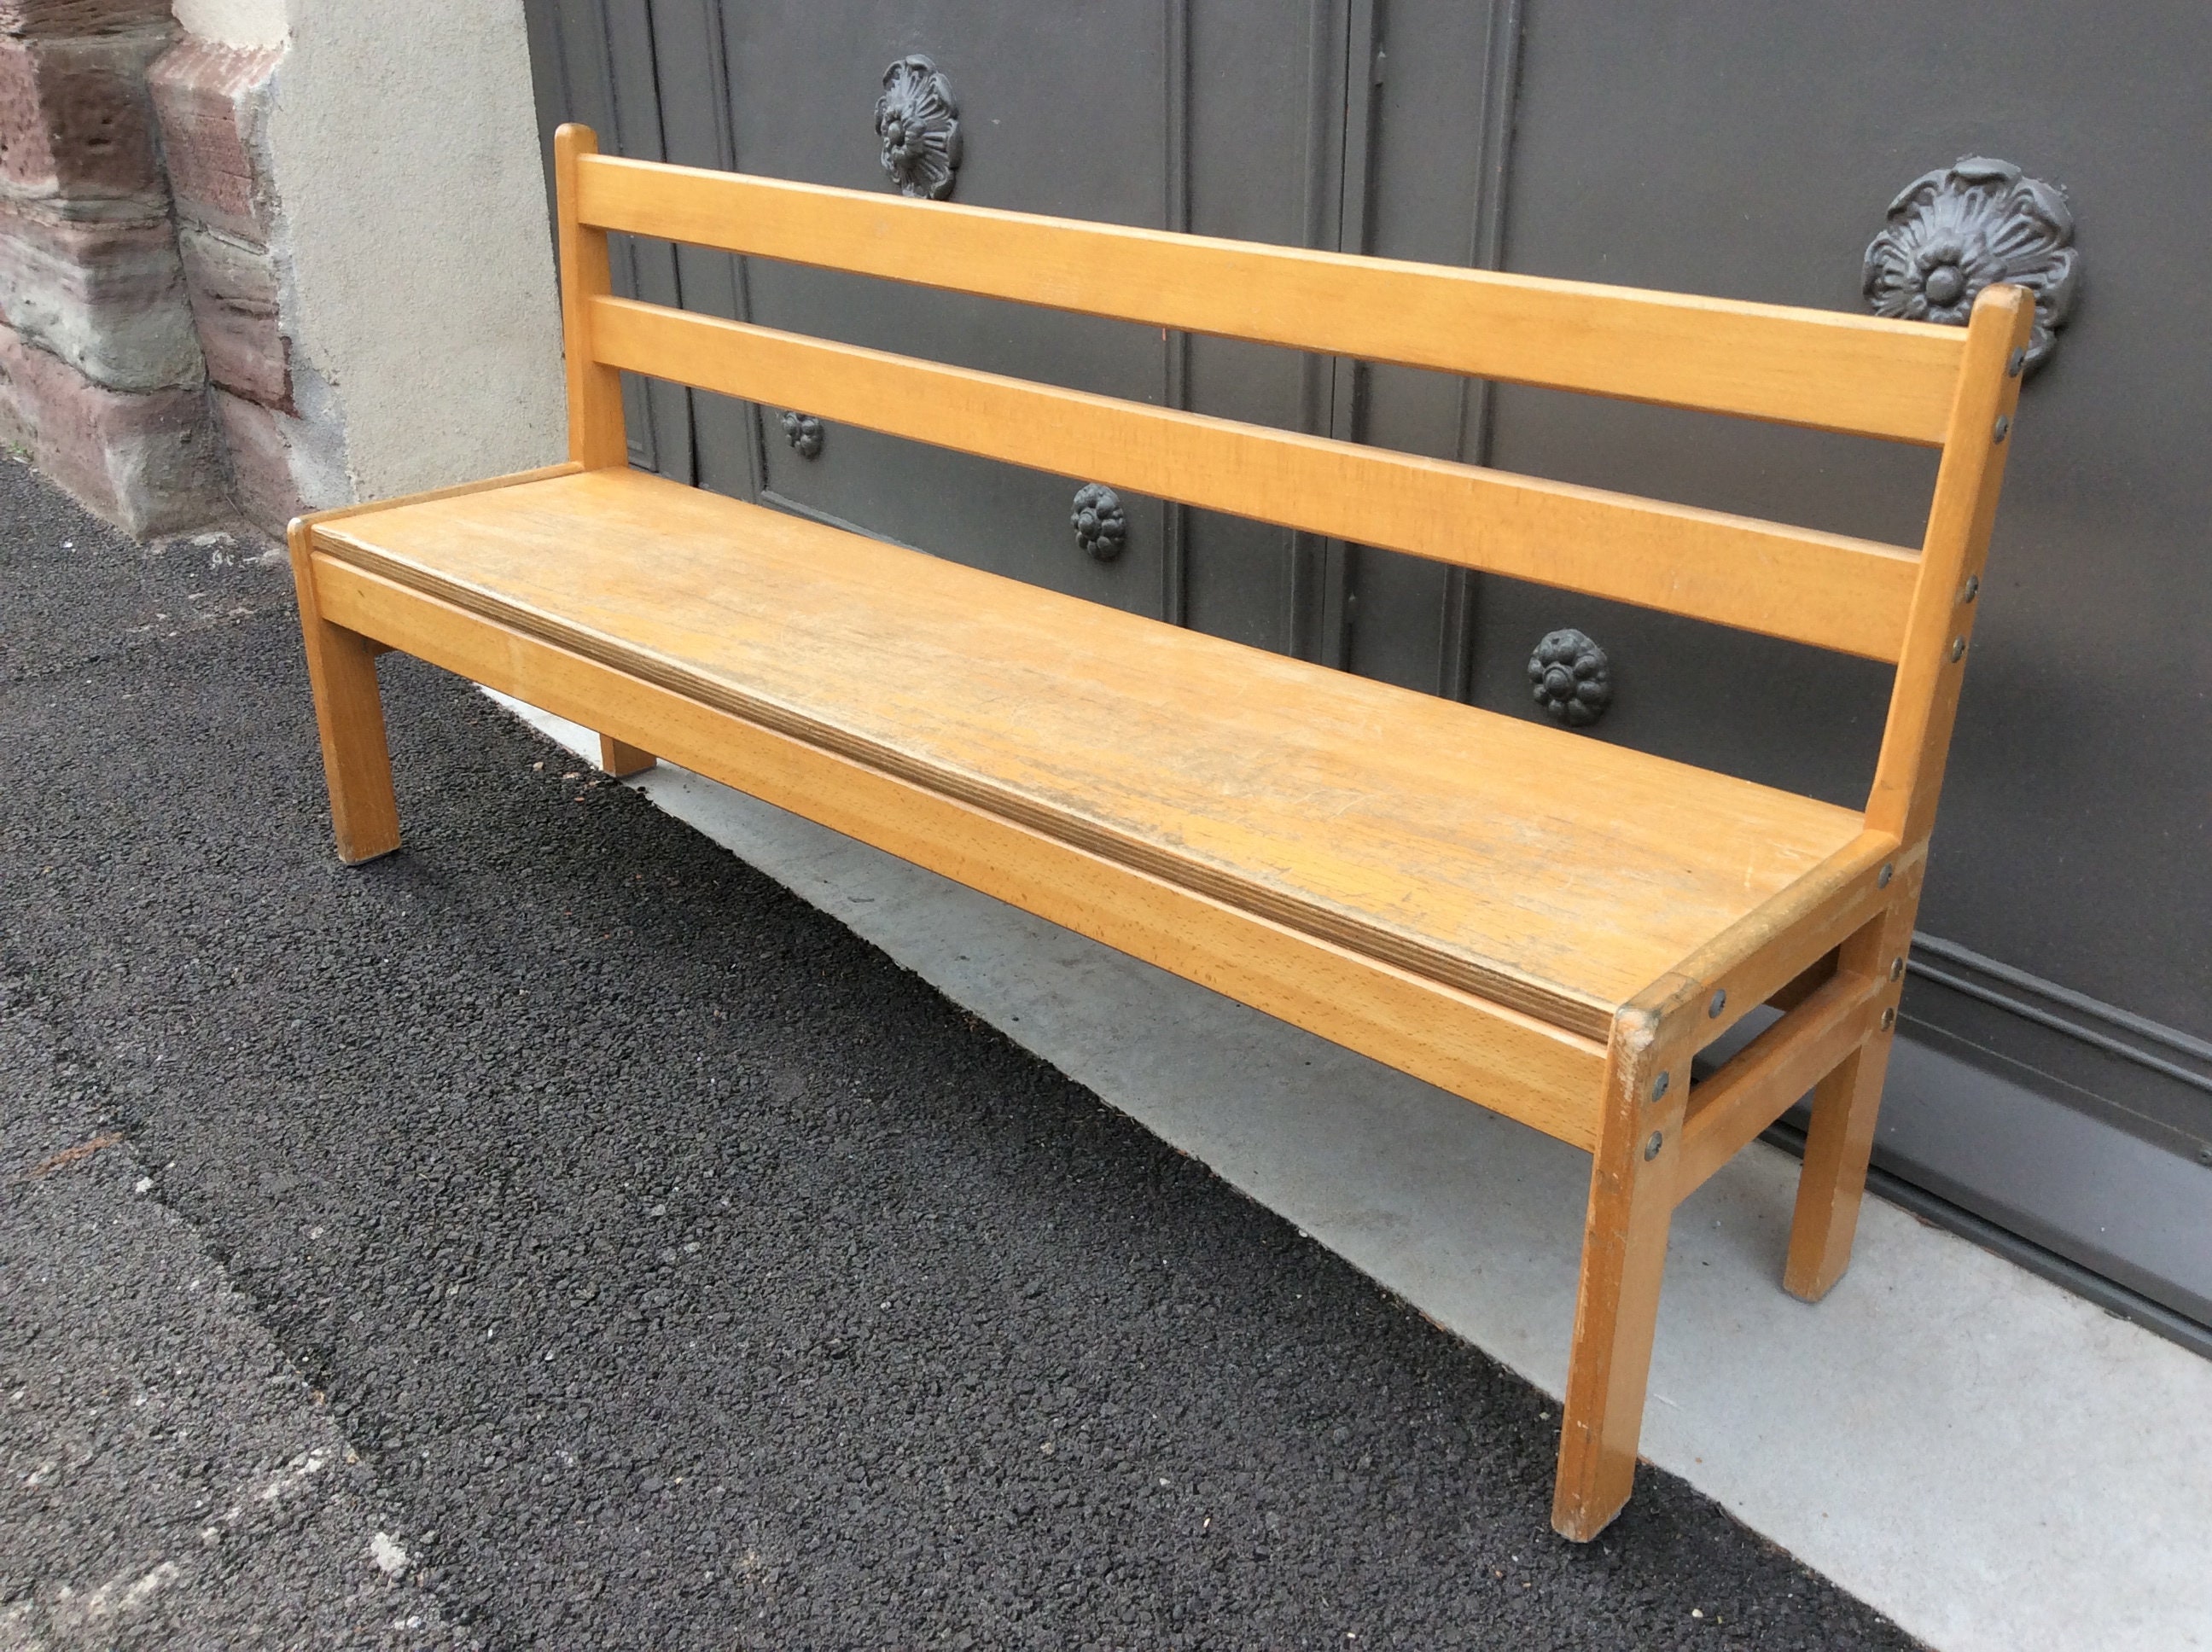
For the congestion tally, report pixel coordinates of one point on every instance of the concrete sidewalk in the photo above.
(1995, 1464)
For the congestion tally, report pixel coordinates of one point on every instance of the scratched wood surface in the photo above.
(1551, 872)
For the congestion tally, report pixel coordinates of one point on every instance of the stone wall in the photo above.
(287, 255)
(213, 103)
(102, 378)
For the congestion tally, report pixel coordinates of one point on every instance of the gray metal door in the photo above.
(1736, 149)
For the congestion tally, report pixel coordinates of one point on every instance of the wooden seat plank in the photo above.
(1552, 873)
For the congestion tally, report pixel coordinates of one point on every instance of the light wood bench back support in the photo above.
(1900, 381)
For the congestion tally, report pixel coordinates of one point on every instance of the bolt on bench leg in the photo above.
(1631, 1204)
(349, 717)
(622, 760)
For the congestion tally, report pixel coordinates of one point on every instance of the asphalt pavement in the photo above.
(558, 1234)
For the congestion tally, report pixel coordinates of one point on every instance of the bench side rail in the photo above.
(1858, 374)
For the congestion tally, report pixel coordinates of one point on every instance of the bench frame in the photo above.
(1829, 952)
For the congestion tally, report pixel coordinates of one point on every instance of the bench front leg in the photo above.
(349, 718)
(1632, 1204)
(1831, 1186)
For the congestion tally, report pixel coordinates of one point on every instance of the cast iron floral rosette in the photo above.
(918, 119)
(1570, 678)
(1102, 526)
(1953, 232)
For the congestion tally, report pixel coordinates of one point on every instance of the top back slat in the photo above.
(1856, 374)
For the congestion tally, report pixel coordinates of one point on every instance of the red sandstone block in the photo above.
(233, 295)
(149, 464)
(209, 99)
(80, 17)
(105, 296)
(74, 117)
(263, 482)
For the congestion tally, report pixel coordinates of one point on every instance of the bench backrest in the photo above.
(1902, 381)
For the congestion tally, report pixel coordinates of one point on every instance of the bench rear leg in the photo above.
(1833, 1183)
(1632, 1204)
(349, 718)
(622, 760)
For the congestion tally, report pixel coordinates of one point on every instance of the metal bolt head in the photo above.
(1897, 967)
(1719, 1003)
(1958, 649)
(2204, 1154)
(1659, 1085)
(1651, 1148)
(2004, 428)
(1888, 1019)
(1881, 879)
(1973, 588)
(2014, 362)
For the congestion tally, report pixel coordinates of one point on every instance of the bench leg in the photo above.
(357, 762)
(1631, 1204)
(1616, 1312)
(1832, 1183)
(349, 718)
(622, 760)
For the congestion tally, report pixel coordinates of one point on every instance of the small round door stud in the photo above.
(1102, 526)
(1570, 677)
(804, 432)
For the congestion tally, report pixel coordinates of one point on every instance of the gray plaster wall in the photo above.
(409, 221)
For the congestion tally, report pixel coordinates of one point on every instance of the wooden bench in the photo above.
(1544, 924)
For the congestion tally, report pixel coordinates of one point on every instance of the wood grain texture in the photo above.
(1828, 370)
(1924, 701)
(1839, 1141)
(1765, 1078)
(1489, 1054)
(349, 718)
(596, 435)
(1553, 874)
(1825, 589)
(1632, 1194)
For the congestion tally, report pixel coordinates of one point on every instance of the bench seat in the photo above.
(1536, 868)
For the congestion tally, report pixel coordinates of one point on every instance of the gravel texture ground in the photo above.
(559, 1234)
